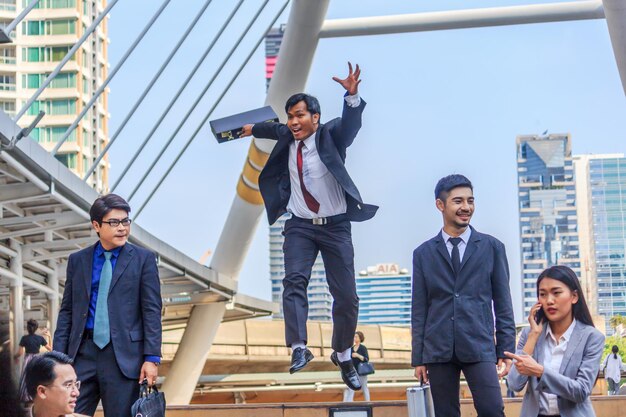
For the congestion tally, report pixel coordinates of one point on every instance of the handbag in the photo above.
(151, 402)
(365, 368)
(420, 401)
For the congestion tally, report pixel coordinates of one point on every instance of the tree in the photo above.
(616, 320)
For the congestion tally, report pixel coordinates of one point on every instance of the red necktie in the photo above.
(310, 201)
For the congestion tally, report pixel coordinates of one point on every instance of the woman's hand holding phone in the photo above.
(536, 318)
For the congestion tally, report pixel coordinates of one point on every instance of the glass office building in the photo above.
(547, 208)
(384, 295)
(607, 185)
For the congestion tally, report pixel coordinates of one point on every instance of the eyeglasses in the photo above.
(116, 222)
(69, 386)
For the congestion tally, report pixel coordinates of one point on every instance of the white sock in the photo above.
(299, 344)
(344, 356)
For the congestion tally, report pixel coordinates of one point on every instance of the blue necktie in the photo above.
(101, 331)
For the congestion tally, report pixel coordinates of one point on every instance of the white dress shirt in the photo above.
(553, 353)
(462, 244)
(319, 182)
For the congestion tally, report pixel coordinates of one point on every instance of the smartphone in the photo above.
(540, 316)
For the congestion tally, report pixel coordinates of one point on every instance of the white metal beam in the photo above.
(615, 11)
(463, 19)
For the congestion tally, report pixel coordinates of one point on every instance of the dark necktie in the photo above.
(310, 201)
(456, 255)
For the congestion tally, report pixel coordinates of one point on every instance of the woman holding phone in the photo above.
(558, 356)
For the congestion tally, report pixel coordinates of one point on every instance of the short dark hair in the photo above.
(450, 182)
(568, 277)
(361, 336)
(40, 370)
(312, 104)
(32, 326)
(103, 205)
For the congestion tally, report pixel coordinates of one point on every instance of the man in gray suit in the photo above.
(460, 278)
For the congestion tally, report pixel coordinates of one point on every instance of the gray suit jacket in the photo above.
(453, 314)
(575, 379)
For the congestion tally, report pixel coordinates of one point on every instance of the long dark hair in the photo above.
(32, 326)
(614, 349)
(568, 277)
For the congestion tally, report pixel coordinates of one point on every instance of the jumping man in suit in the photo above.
(110, 316)
(305, 176)
(460, 277)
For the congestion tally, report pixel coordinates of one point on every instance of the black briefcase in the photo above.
(151, 402)
(229, 128)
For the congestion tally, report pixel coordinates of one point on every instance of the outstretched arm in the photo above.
(266, 130)
(344, 132)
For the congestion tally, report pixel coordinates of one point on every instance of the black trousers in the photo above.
(303, 242)
(101, 378)
(482, 379)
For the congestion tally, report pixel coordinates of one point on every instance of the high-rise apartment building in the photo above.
(320, 300)
(384, 295)
(42, 40)
(547, 208)
(603, 184)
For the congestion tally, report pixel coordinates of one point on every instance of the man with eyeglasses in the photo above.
(110, 317)
(51, 383)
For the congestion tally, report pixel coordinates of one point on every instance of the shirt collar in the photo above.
(308, 142)
(464, 236)
(566, 336)
(100, 250)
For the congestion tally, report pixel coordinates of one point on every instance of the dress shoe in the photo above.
(299, 358)
(348, 372)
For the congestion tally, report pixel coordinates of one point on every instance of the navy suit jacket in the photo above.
(331, 139)
(454, 314)
(134, 307)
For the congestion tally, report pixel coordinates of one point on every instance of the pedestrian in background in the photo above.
(359, 355)
(612, 369)
(30, 345)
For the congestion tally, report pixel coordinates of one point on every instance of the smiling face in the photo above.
(301, 122)
(112, 237)
(557, 300)
(59, 397)
(457, 209)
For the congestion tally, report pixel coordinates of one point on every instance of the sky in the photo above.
(437, 103)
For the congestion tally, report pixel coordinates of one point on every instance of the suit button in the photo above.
(456, 295)
(85, 315)
(452, 318)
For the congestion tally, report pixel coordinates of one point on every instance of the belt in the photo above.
(88, 334)
(551, 415)
(321, 221)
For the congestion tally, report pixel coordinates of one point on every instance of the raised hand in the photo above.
(352, 81)
(536, 326)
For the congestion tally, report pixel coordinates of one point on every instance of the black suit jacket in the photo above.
(134, 307)
(454, 314)
(331, 139)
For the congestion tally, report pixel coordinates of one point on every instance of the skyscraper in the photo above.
(320, 300)
(39, 43)
(604, 177)
(547, 208)
(384, 295)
